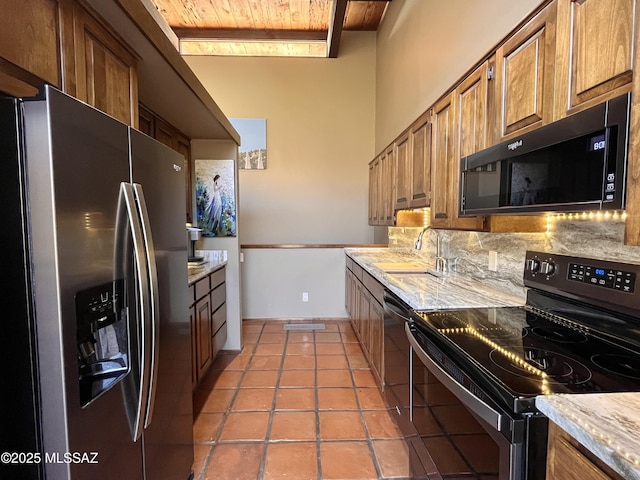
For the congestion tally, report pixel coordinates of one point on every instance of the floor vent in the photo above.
(304, 326)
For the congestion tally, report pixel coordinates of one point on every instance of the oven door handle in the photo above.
(495, 419)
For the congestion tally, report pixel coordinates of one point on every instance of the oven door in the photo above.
(465, 432)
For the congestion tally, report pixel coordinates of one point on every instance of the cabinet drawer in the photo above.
(217, 277)
(358, 271)
(219, 318)
(349, 263)
(218, 296)
(375, 287)
(219, 339)
(202, 288)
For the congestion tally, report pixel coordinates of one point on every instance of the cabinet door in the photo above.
(376, 315)
(146, 121)
(471, 136)
(203, 329)
(194, 347)
(365, 321)
(445, 167)
(29, 43)
(525, 76)
(355, 309)
(104, 74)
(388, 183)
(347, 291)
(183, 147)
(594, 52)
(386, 187)
(374, 191)
(402, 171)
(566, 460)
(442, 147)
(421, 162)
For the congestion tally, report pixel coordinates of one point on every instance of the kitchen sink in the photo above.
(403, 267)
(428, 272)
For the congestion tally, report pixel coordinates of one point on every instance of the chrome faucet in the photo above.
(418, 244)
(442, 264)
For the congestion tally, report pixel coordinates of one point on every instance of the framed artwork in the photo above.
(253, 142)
(215, 197)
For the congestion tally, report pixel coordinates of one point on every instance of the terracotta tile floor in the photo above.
(295, 405)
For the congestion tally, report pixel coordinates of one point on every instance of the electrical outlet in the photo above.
(241, 257)
(305, 296)
(493, 261)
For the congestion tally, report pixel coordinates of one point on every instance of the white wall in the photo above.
(424, 47)
(320, 137)
(274, 280)
(326, 119)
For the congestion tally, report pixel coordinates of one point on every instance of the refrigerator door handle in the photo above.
(127, 193)
(154, 334)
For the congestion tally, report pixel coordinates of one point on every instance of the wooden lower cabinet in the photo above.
(364, 305)
(208, 314)
(567, 459)
(203, 335)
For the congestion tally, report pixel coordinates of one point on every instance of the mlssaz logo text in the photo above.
(514, 145)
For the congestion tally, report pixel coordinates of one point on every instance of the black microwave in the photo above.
(574, 164)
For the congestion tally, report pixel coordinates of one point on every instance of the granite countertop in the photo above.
(201, 271)
(607, 424)
(422, 291)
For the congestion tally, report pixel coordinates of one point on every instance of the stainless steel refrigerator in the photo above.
(95, 348)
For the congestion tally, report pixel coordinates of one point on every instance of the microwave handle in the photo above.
(495, 419)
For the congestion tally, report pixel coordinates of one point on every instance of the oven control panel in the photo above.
(603, 277)
(592, 280)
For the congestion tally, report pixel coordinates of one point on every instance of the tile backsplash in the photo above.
(469, 251)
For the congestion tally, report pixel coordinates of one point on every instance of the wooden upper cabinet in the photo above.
(402, 171)
(100, 68)
(420, 181)
(594, 52)
(382, 188)
(388, 185)
(176, 140)
(471, 106)
(524, 76)
(146, 121)
(29, 46)
(183, 147)
(442, 154)
(470, 100)
(374, 175)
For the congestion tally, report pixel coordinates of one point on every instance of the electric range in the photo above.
(579, 332)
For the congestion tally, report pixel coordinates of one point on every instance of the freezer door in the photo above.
(158, 177)
(77, 158)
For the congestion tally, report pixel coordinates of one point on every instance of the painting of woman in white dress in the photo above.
(215, 197)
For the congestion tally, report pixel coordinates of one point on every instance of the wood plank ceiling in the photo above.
(267, 27)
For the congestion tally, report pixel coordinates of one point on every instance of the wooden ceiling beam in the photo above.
(338, 10)
(241, 34)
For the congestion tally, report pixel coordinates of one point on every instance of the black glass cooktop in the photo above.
(520, 353)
